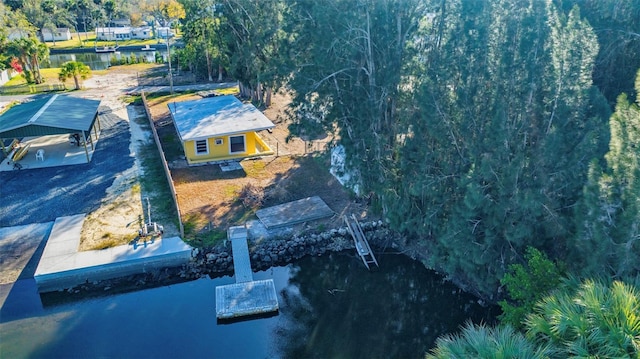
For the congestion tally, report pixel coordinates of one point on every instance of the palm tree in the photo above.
(598, 319)
(487, 342)
(74, 69)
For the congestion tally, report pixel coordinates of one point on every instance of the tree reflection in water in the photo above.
(335, 308)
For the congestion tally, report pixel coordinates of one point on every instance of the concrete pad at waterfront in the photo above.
(62, 266)
(290, 213)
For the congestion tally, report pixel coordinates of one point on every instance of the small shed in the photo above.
(59, 34)
(219, 128)
(52, 115)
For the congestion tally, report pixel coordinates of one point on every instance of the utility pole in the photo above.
(169, 58)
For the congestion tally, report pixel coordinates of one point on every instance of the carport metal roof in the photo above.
(49, 115)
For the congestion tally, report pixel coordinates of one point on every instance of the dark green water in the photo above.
(330, 307)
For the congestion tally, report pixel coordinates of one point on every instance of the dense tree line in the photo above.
(478, 128)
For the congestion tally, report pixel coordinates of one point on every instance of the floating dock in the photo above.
(246, 296)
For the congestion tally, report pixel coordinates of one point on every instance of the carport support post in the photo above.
(86, 152)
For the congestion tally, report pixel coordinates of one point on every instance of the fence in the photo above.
(165, 165)
(22, 89)
(183, 79)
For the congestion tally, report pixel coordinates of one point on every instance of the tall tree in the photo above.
(497, 146)
(349, 64)
(609, 216)
(255, 42)
(616, 24)
(204, 33)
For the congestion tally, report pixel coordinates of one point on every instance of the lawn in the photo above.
(90, 41)
(50, 76)
(18, 84)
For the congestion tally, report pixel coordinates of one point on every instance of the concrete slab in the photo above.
(303, 210)
(65, 236)
(57, 152)
(242, 299)
(230, 166)
(60, 267)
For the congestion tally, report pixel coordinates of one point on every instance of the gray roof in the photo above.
(49, 115)
(216, 116)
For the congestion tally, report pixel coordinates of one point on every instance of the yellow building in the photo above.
(219, 128)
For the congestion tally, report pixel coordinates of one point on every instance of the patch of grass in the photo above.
(234, 90)
(192, 222)
(156, 98)
(155, 181)
(135, 189)
(254, 169)
(246, 215)
(231, 191)
(50, 76)
(90, 41)
(133, 100)
(171, 146)
(208, 238)
(107, 242)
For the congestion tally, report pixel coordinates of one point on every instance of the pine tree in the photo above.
(609, 215)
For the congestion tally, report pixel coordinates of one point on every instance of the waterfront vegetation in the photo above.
(500, 137)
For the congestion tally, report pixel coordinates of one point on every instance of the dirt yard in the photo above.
(211, 199)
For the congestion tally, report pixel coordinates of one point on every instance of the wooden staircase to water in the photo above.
(362, 245)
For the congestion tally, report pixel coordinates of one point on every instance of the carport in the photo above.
(50, 124)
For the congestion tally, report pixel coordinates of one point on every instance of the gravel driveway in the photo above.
(42, 195)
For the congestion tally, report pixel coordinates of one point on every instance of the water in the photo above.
(330, 307)
(102, 61)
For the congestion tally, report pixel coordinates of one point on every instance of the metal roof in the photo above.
(49, 115)
(216, 116)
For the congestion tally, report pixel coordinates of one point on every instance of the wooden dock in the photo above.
(240, 250)
(246, 296)
(290, 213)
(362, 245)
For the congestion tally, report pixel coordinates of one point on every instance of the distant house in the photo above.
(142, 33)
(219, 128)
(59, 34)
(164, 32)
(113, 33)
(120, 23)
(15, 34)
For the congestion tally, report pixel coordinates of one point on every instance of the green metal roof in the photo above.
(49, 115)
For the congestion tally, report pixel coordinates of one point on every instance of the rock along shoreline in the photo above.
(217, 261)
(267, 253)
